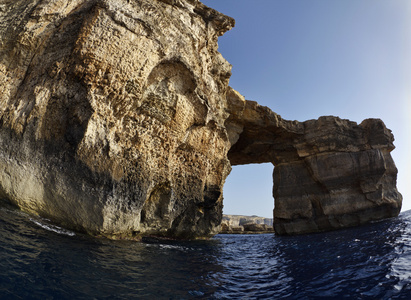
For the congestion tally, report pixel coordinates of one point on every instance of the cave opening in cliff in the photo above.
(248, 191)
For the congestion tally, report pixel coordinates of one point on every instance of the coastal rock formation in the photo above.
(246, 224)
(329, 173)
(249, 228)
(116, 119)
(112, 114)
(239, 220)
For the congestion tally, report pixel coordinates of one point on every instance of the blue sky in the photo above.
(309, 58)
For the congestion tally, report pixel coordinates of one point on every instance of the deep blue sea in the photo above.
(42, 261)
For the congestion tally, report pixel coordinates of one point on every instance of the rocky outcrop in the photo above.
(246, 224)
(112, 114)
(239, 220)
(249, 228)
(329, 173)
(116, 119)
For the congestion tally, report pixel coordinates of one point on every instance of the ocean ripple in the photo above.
(43, 261)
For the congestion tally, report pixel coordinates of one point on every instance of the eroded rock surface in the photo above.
(329, 173)
(112, 114)
(116, 119)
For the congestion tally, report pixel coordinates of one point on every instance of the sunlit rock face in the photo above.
(329, 173)
(112, 114)
(116, 119)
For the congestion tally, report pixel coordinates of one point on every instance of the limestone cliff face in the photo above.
(112, 114)
(116, 119)
(329, 173)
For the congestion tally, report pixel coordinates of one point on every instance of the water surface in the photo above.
(42, 261)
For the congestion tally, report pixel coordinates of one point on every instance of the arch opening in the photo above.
(248, 201)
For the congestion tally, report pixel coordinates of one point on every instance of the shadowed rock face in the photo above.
(116, 119)
(329, 173)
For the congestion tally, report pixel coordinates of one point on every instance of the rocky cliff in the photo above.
(116, 119)
(112, 114)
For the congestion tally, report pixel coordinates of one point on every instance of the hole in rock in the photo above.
(248, 191)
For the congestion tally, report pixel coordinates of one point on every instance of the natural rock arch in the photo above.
(328, 173)
(116, 119)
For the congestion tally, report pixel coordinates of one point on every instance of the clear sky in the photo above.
(309, 58)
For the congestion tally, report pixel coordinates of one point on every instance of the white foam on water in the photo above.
(52, 228)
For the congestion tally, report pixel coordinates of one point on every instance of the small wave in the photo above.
(52, 228)
(175, 247)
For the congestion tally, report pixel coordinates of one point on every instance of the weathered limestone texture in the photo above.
(112, 114)
(116, 119)
(329, 173)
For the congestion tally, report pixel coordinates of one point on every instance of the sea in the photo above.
(39, 260)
